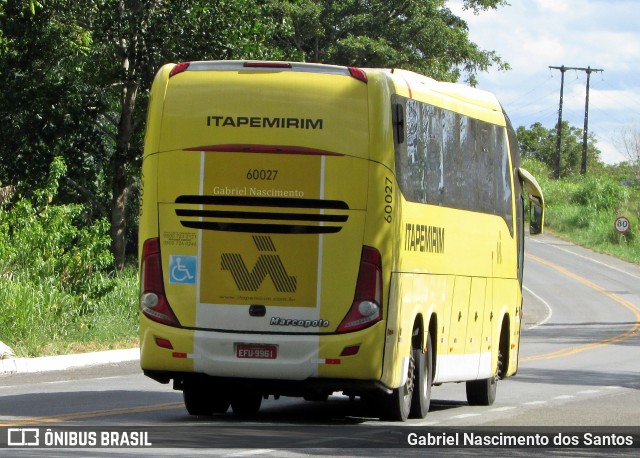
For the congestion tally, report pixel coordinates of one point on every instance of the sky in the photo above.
(532, 35)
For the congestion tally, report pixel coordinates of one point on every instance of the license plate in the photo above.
(256, 351)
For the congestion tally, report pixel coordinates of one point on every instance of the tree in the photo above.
(80, 75)
(629, 143)
(133, 38)
(420, 35)
(539, 143)
(76, 75)
(45, 110)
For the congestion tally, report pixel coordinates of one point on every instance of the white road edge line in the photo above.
(586, 257)
(466, 415)
(253, 452)
(425, 423)
(546, 304)
(502, 409)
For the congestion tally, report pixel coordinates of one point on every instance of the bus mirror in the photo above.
(536, 213)
(536, 219)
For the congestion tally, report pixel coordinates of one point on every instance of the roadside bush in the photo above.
(583, 209)
(600, 193)
(56, 278)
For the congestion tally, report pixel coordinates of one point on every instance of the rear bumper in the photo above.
(310, 388)
(300, 358)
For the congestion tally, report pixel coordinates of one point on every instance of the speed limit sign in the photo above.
(622, 224)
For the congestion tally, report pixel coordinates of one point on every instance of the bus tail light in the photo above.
(358, 74)
(266, 64)
(179, 68)
(367, 303)
(153, 302)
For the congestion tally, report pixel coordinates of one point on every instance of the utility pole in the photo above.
(556, 169)
(583, 167)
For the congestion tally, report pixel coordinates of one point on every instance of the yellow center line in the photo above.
(629, 333)
(84, 415)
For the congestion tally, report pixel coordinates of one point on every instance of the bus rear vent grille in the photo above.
(265, 215)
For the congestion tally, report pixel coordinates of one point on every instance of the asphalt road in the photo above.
(579, 368)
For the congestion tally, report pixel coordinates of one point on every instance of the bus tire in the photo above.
(220, 404)
(397, 405)
(421, 398)
(193, 402)
(483, 392)
(200, 402)
(246, 403)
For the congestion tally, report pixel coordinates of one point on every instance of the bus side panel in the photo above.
(381, 138)
(155, 109)
(381, 229)
(412, 295)
(473, 340)
(148, 226)
(471, 248)
(507, 299)
(392, 362)
(490, 335)
(152, 356)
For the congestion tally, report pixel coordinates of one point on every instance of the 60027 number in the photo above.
(262, 174)
(388, 199)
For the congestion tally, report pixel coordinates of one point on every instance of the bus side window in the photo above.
(398, 123)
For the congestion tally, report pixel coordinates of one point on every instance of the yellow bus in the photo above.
(308, 229)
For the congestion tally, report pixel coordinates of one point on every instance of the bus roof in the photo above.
(449, 95)
(460, 92)
(247, 65)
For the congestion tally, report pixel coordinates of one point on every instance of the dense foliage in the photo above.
(538, 142)
(76, 75)
(584, 209)
(424, 36)
(57, 288)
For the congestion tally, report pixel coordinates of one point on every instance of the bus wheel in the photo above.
(483, 392)
(220, 404)
(396, 406)
(246, 403)
(423, 379)
(201, 402)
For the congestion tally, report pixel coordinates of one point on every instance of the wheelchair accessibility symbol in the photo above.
(182, 270)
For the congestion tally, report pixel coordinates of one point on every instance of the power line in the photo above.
(628, 104)
(521, 96)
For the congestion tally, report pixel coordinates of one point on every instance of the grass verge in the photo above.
(39, 320)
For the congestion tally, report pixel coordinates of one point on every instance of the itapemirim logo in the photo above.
(267, 265)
